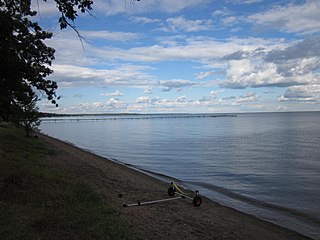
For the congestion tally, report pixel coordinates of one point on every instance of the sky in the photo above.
(186, 56)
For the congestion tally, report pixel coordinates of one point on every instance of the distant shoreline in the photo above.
(102, 117)
(46, 114)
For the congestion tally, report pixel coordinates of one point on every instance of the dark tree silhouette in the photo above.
(26, 113)
(24, 58)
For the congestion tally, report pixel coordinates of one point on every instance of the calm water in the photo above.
(265, 164)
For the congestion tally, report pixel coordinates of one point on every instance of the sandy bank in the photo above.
(170, 220)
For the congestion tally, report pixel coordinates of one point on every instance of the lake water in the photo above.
(265, 164)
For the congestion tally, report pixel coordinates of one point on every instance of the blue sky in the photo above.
(187, 56)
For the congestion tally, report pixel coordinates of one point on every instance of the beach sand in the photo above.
(177, 219)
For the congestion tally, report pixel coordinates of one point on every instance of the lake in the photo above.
(265, 164)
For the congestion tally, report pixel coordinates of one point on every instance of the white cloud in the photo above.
(229, 20)
(212, 97)
(113, 94)
(111, 105)
(214, 94)
(307, 48)
(248, 97)
(163, 105)
(44, 8)
(113, 7)
(74, 76)
(145, 20)
(183, 24)
(251, 62)
(244, 1)
(143, 99)
(248, 73)
(177, 5)
(181, 99)
(111, 36)
(222, 12)
(304, 18)
(175, 83)
(201, 49)
(147, 90)
(292, 65)
(309, 93)
(194, 48)
(202, 75)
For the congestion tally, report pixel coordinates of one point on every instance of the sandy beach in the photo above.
(177, 219)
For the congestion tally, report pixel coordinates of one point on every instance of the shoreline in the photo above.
(174, 219)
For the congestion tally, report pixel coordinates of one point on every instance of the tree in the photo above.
(26, 113)
(24, 58)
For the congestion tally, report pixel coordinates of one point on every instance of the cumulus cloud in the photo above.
(71, 76)
(162, 105)
(212, 96)
(309, 93)
(146, 104)
(248, 97)
(243, 63)
(247, 73)
(294, 18)
(300, 60)
(45, 8)
(113, 94)
(183, 24)
(181, 99)
(307, 48)
(285, 66)
(202, 75)
(242, 100)
(177, 84)
(222, 12)
(111, 105)
(202, 49)
(114, 7)
(147, 90)
(142, 99)
(145, 20)
(229, 20)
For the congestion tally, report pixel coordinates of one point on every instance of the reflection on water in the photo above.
(264, 164)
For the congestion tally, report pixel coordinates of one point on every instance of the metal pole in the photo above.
(151, 202)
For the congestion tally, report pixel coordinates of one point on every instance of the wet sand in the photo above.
(177, 219)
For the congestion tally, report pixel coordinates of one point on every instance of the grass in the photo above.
(37, 202)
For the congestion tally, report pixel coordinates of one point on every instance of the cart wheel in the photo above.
(171, 191)
(197, 200)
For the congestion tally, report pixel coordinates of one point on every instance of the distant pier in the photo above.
(134, 117)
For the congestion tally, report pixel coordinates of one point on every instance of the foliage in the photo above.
(25, 59)
(26, 113)
(68, 10)
(38, 202)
